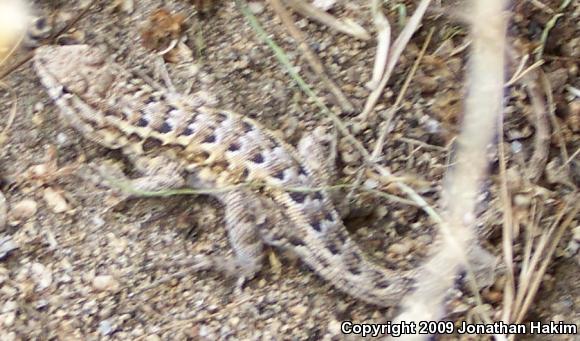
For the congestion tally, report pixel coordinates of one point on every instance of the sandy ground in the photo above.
(86, 267)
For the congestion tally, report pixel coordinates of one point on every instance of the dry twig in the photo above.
(383, 43)
(391, 113)
(395, 53)
(345, 26)
(542, 137)
(483, 107)
(311, 57)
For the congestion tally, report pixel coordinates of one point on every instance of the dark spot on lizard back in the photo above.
(318, 195)
(142, 122)
(298, 197)
(353, 269)
(279, 175)
(257, 158)
(332, 247)
(245, 173)
(328, 217)
(234, 146)
(187, 132)
(151, 143)
(170, 108)
(295, 241)
(221, 117)
(356, 257)
(109, 112)
(301, 171)
(247, 127)
(382, 284)
(164, 128)
(342, 236)
(316, 225)
(134, 138)
(209, 139)
(323, 262)
(150, 99)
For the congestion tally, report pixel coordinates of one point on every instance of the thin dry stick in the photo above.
(311, 57)
(520, 72)
(552, 114)
(531, 231)
(483, 107)
(546, 259)
(3, 211)
(527, 275)
(395, 53)
(572, 157)
(542, 137)
(421, 144)
(507, 231)
(391, 113)
(383, 43)
(345, 26)
(11, 116)
(393, 110)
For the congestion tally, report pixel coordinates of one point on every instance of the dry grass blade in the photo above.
(545, 33)
(3, 211)
(347, 27)
(483, 108)
(311, 57)
(540, 260)
(11, 116)
(395, 53)
(507, 231)
(521, 72)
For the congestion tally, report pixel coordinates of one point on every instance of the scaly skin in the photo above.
(213, 148)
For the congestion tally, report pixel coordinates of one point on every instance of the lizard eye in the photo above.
(66, 90)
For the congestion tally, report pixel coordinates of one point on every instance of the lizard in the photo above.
(177, 141)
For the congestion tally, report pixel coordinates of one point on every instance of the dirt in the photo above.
(78, 264)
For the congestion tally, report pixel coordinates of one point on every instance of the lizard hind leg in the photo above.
(244, 215)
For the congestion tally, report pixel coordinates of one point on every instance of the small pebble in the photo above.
(298, 310)
(105, 283)
(256, 7)
(153, 337)
(41, 275)
(23, 209)
(334, 327)
(7, 245)
(55, 200)
(3, 210)
(105, 327)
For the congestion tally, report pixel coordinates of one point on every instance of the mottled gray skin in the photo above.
(178, 141)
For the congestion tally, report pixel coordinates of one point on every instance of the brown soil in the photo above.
(86, 267)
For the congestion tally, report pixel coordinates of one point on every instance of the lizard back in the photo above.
(121, 111)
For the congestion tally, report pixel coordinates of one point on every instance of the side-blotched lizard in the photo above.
(180, 141)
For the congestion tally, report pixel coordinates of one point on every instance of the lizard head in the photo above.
(78, 79)
(78, 69)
